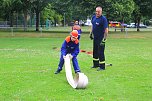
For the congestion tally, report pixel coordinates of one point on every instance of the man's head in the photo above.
(98, 12)
(74, 35)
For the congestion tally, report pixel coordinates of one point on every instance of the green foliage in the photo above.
(143, 9)
(1, 2)
(115, 10)
(123, 9)
(52, 15)
(8, 8)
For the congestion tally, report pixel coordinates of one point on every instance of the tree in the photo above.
(63, 7)
(143, 8)
(26, 6)
(49, 13)
(38, 6)
(122, 9)
(1, 2)
(10, 6)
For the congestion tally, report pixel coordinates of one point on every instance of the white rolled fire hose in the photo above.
(80, 80)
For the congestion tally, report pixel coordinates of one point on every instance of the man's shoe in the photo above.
(77, 72)
(57, 72)
(100, 69)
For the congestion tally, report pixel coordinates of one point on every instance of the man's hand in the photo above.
(64, 56)
(70, 56)
(91, 36)
(102, 43)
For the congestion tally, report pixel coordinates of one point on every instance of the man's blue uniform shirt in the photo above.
(98, 26)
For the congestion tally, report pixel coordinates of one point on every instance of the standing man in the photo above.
(99, 33)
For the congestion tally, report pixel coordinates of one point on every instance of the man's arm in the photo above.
(63, 48)
(106, 28)
(91, 34)
(106, 33)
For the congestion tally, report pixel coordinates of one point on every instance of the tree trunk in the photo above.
(37, 20)
(138, 23)
(25, 20)
(11, 18)
(55, 22)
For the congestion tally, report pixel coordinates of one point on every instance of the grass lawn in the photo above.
(28, 62)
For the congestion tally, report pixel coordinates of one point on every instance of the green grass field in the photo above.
(28, 62)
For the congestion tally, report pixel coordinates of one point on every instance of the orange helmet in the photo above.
(74, 33)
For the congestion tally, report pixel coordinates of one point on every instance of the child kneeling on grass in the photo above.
(70, 46)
